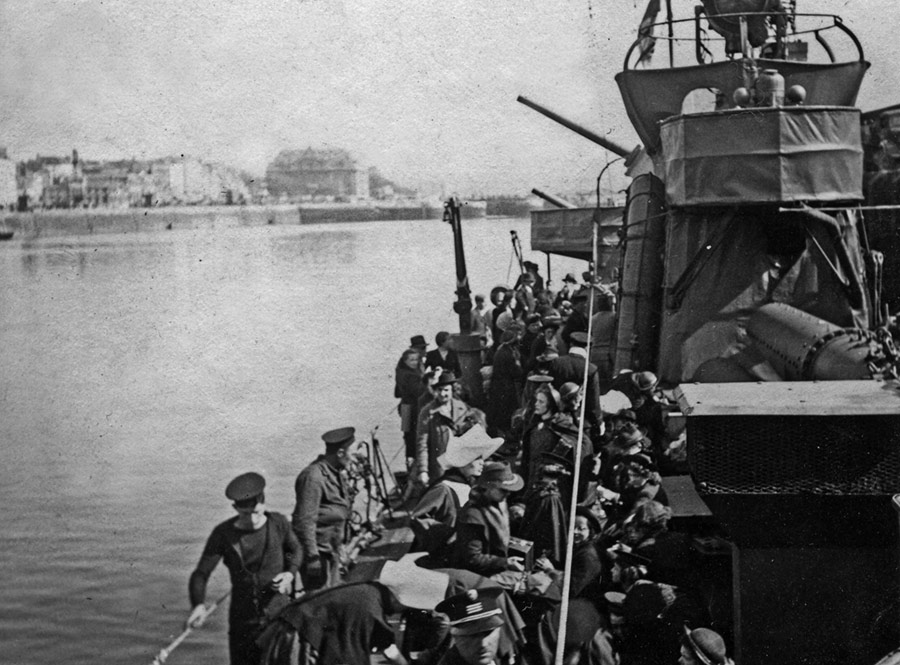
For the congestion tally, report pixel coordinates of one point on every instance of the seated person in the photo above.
(482, 527)
(433, 520)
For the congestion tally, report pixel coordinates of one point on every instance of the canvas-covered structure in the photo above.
(723, 264)
(763, 155)
(568, 232)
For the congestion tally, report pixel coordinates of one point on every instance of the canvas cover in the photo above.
(720, 267)
(568, 232)
(763, 155)
(652, 95)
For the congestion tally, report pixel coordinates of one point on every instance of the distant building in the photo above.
(317, 173)
(9, 190)
(194, 181)
(105, 183)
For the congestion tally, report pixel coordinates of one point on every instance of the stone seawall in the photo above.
(47, 223)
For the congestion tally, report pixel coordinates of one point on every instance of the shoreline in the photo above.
(88, 221)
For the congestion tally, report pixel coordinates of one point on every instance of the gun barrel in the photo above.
(558, 202)
(612, 146)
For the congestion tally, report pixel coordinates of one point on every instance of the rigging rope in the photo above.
(576, 479)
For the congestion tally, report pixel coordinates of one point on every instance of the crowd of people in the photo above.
(489, 493)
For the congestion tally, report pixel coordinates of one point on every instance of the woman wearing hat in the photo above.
(433, 520)
(443, 417)
(482, 526)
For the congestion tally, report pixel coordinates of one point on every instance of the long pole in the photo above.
(671, 33)
(567, 568)
(164, 653)
(463, 304)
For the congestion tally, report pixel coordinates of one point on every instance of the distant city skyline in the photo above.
(425, 92)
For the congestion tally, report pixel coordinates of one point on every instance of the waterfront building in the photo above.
(331, 173)
(8, 185)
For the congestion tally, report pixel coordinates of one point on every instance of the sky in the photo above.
(423, 91)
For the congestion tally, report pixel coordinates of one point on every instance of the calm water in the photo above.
(141, 372)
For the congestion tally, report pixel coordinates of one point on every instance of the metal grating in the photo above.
(820, 455)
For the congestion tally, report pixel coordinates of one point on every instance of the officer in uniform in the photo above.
(262, 555)
(322, 510)
(475, 621)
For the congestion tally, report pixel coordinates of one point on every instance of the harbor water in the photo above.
(142, 371)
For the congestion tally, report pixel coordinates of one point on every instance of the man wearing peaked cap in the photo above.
(323, 507)
(255, 540)
(475, 620)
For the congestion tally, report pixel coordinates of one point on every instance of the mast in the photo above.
(466, 344)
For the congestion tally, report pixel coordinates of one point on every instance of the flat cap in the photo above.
(338, 438)
(579, 337)
(245, 486)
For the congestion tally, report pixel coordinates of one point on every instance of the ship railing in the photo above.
(703, 42)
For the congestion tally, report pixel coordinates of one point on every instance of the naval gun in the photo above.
(746, 283)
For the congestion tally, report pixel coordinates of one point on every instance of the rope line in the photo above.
(570, 544)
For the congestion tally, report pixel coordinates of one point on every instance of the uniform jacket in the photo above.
(323, 505)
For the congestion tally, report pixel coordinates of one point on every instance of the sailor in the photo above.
(323, 507)
(475, 622)
(261, 553)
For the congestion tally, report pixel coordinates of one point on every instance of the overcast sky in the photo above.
(425, 91)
